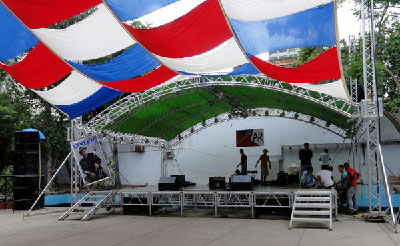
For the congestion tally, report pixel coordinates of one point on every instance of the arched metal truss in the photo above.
(136, 100)
(256, 113)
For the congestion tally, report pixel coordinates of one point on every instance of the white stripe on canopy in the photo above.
(72, 90)
(97, 36)
(335, 89)
(220, 60)
(256, 10)
(168, 13)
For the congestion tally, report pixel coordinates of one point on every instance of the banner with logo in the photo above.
(90, 160)
(250, 138)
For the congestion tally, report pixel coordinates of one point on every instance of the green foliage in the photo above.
(7, 171)
(20, 109)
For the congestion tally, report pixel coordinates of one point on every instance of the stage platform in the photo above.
(150, 199)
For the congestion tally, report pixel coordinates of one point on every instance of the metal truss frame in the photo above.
(259, 112)
(112, 114)
(181, 200)
(370, 119)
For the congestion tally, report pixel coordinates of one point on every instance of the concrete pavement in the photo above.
(124, 230)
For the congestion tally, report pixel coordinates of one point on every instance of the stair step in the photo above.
(312, 205)
(314, 193)
(311, 220)
(307, 212)
(313, 198)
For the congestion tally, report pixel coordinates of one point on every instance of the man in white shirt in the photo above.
(324, 157)
(324, 177)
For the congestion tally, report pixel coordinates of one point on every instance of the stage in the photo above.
(149, 199)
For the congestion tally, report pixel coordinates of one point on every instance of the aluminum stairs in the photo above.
(313, 207)
(96, 199)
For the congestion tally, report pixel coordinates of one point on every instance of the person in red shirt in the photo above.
(352, 177)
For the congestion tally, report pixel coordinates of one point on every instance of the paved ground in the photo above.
(164, 231)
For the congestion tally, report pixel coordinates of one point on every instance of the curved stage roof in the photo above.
(83, 54)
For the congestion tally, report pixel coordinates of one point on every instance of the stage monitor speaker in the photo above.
(241, 182)
(167, 183)
(216, 183)
(180, 180)
(26, 191)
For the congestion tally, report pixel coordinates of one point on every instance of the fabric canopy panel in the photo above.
(43, 13)
(225, 57)
(12, 31)
(309, 28)
(77, 95)
(335, 88)
(199, 31)
(97, 36)
(39, 69)
(168, 13)
(257, 10)
(132, 9)
(321, 68)
(145, 82)
(131, 63)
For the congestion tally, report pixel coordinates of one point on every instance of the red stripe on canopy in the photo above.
(139, 84)
(39, 69)
(321, 68)
(199, 31)
(44, 13)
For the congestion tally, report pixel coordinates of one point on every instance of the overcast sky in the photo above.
(348, 23)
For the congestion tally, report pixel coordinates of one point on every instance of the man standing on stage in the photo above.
(305, 156)
(264, 158)
(243, 163)
(352, 176)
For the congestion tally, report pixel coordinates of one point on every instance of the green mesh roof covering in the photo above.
(172, 114)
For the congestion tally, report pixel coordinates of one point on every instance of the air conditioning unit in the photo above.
(138, 148)
(169, 154)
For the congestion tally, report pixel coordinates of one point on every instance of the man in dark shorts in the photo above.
(264, 158)
(305, 156)
(243, 163)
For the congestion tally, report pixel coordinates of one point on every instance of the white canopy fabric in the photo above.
(335, 89)
(97, 36)
(256, 10)
(72, 90)
(168, 13)
(221, 59)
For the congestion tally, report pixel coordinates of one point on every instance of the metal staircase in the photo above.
(313, 207)
(96, 199)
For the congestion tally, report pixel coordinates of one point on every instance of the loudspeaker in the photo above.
(26, 156)
(26, 164)
(167, 183)
(216, 183)
(26, 191)
(282, 178)
(180, 180)
(241, 182)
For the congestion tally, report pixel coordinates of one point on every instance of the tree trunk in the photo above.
(395, 79)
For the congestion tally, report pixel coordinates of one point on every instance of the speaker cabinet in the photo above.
(241, 182)
(167, 183)
(26, 191)
(216, 183)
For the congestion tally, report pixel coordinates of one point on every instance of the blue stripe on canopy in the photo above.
(245, 69)
(133, 62)
(132, 9)
(97, 99)
(15, 38)
(312, 27)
